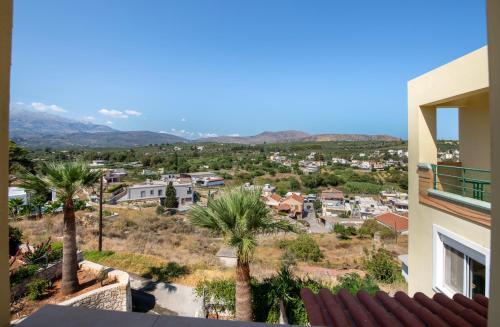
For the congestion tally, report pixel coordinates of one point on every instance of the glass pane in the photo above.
(453, 269)
(477, 282)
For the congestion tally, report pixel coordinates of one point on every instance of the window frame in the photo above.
(470, 250)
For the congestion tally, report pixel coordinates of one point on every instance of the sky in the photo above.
(233, 67)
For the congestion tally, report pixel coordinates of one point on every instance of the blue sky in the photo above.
(198, 68)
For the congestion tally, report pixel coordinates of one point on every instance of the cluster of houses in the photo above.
(450, 155)
(391, 209)
(276, 157)
(364, 162)
(292, 204)
(368, 164)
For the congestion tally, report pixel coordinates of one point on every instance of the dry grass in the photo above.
(141, 239)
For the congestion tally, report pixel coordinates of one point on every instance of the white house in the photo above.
(157, 191)
(18, 193)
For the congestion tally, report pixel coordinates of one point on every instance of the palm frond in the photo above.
(239, 215)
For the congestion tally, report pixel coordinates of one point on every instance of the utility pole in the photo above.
(100, 214)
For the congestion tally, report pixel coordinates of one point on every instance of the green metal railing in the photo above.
(468, 182)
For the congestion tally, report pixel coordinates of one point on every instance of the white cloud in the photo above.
(133, 113)
(112, 113)
(163, 132)
(234, 135)
(201, 134)
(88, 118)
(182, 133)
(109, 122)
(39, 106)
(183, 120)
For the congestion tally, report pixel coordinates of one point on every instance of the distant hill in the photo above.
(119, 139)
(349, 137)
(27, 124)
(295, 136)
(40, 129)
(265, 137)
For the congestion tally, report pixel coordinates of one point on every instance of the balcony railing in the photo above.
(467, 182)
(456, 190)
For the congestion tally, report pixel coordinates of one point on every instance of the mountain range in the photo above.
(41, 129)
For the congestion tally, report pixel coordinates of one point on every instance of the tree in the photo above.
(239, 216)
(67, 179)
(18, 159)
(14, 205)
(171, 197)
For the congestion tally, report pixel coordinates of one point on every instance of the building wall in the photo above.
(474, 135)
(134, 193)
(421, 247)
(493, 10)
(445, 86)
(5, 51)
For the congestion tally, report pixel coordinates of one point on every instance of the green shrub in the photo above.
(382, 266)
(38, 253)
(106, 213)
(304, 248)
(115, 187)
(372, 226)
(343, 232)
(160, 210)
(167, 272)
(22, 273)
(56, 252)
(37, 288)
(354, 283)
(219, 295)
(15, 237)
(362, 187)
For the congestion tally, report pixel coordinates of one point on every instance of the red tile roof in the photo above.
(346, 310)
(284, 207)
(332, 194)
(296, 197)
(393, 221)
(275, 197)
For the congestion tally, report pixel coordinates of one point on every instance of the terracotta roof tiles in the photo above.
(346, 310)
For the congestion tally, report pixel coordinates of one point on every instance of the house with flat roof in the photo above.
(156, 191)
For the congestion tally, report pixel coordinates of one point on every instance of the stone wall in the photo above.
(117, 296)
(52, 272)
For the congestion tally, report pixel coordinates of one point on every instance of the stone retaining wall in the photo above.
(52, 272)
(117, 296)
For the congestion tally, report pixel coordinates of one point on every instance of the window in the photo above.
(189, 190)
(160, 192)
(460, 266)
(152, 192)
(143, 194)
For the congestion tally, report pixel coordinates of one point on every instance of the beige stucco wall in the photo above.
(494, 67)
(421, 243)
(5, 50)
(464, 83)
(474, 132)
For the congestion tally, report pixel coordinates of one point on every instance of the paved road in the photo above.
(162, 298)
(314, 225)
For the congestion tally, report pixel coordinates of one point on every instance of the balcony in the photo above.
(457, 190)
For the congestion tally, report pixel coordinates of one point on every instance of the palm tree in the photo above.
(239, 216)
(14, 205)
(67, 179)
